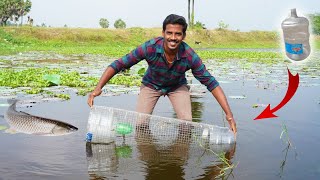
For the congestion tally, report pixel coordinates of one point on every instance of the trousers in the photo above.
(179, 98)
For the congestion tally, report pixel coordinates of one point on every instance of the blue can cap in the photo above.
(89, 137)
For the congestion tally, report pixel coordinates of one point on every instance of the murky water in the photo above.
(258, 154)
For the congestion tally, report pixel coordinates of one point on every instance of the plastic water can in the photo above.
(221, 135)
(296, 36)
(100, 126)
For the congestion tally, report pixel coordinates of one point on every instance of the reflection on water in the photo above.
(65, 157)
(197, 109)
(147, 159)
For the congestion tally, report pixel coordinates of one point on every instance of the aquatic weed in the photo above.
(284, 136)
(226, 165)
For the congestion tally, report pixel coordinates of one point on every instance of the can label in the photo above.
(294, 48)
(89, 137)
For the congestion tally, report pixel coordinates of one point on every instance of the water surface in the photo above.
(258, 154)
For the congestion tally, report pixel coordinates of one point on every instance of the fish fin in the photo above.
(22, 112)
(10, 131)
(12, 101)
(43, 134)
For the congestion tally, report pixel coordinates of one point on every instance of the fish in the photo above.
(23, 122)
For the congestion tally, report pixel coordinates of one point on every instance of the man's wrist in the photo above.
(229, 117)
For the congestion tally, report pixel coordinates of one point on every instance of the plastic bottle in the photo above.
(100, 126)
(222, 135)
(296, 36)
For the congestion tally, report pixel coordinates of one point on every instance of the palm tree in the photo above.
(189, 12)
(192, 14)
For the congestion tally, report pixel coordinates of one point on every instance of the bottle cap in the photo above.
(294, 13)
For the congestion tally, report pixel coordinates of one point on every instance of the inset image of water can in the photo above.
(296, 36)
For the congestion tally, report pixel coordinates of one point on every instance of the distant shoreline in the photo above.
(117, 42)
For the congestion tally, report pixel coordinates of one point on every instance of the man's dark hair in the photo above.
(175, 19)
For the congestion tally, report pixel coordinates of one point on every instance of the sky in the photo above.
(243, 15)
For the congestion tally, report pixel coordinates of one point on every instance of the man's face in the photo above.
(173, 36)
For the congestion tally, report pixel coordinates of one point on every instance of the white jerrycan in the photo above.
(296, 36)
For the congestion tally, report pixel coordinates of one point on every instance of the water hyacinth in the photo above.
(238, 55)
(3, 127)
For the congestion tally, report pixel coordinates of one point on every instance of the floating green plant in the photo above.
(62, 96)
(42, 77)
(120, 79)
(2, 127)
(54, 79)
(261, 56)
(141, 71)
(85, 91)
(39, 78)
(34, 91)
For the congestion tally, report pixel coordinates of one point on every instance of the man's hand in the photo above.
(232, 123)
(92, 95)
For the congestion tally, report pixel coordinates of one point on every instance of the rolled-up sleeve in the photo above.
(130, 59)
(202, 74)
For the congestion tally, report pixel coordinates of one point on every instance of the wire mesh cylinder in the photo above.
(106, 124)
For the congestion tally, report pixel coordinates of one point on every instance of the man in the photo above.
(168, 58)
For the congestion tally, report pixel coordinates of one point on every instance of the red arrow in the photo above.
(292, 88)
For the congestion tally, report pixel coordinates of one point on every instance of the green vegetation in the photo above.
(119, 24)
(13, 9)
(116, 43)
(104, 23)
(315, 22)
(238, 54)
(39, 78)
(133, 80)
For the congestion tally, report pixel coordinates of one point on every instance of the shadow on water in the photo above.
(180, 160)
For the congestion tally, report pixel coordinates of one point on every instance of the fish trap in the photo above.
(107, 124)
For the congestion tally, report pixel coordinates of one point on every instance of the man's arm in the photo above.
(123, 63)
(106, 76)
(203, 75)
(222, 100)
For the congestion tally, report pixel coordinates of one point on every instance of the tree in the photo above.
(13, 9)
(199, 25)
(104, 23)
(119, 24)
(191, 14)
(315, 23)
(222, 25)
